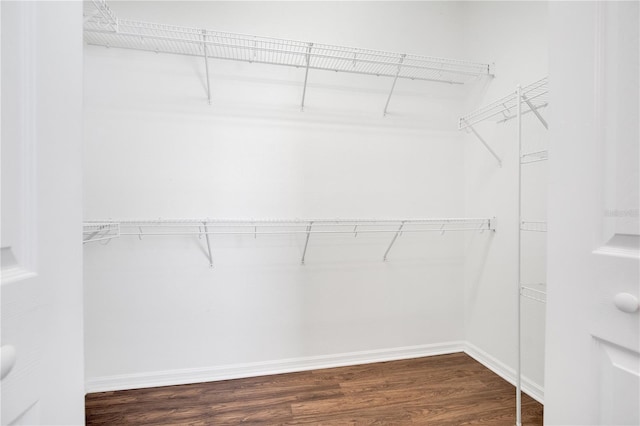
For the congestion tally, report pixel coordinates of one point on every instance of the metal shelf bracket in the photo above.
(395, 237)
(534, 109)
(206, 234)
(393, 85)
(486, 145)
(306, 242)
(206, 64)
(306, 75)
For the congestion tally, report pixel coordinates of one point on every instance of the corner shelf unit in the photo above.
(531, 99)
(522, 101)
(103, 28)
(108, 229)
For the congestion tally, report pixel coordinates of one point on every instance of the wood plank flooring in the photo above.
(440, 390)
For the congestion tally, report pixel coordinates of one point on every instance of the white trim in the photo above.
(529, 387)
(253, 369)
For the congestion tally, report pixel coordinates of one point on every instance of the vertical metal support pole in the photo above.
(306, 243)
(518, 309)
(206, 234)
(535, 111)
(394, 83)
(355, 231)
(306, 76)
(395, 237)
(206, 63)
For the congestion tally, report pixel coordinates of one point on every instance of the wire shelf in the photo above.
(99, 231)
(98, 15)
(533, 226)
(537, 95)
(185, 227)
(538, 294)
(534, 157)
(206, 227)
(104, 29)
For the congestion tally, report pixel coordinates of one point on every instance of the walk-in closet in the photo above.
(366, 212)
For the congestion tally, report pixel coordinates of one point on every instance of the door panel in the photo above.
(20, 286)
(616, 262)
(593, 324)
(619, 392)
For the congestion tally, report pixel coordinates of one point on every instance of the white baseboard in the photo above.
(238, 371)
(529, 387)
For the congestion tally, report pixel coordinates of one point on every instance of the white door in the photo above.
(40, 241)
(22, 339)
(593, 322)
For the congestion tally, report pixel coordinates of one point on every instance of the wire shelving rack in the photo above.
(206, 227)
(524, 100)
(103, 28)
(530, 99)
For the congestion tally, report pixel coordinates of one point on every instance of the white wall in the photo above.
(154, 148)
(514, 34)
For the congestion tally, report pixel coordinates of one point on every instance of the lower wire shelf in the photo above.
(535, 292)
(108, 229)
(533, 226)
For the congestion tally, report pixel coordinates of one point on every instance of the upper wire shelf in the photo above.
(185, 227)
(535, 97)
(254, 227)
(103, 28)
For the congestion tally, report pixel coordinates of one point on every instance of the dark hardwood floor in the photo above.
(440, 390)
